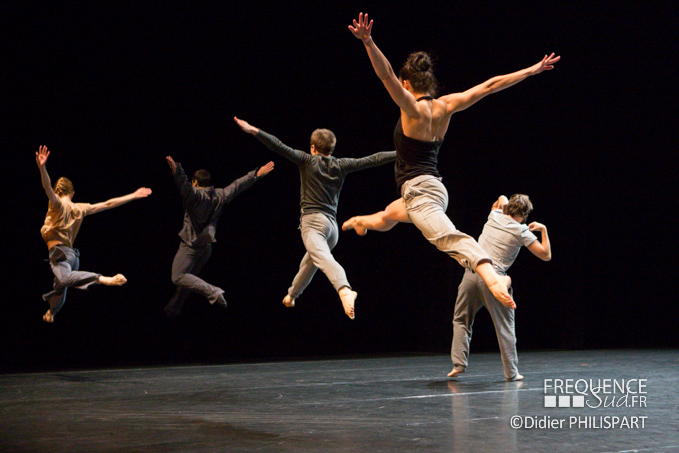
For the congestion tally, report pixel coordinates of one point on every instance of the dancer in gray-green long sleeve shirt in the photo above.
(321, 177)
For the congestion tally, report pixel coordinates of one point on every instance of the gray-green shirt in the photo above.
(321, 176)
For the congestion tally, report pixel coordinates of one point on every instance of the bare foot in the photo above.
(455, 373)
(356, 224)
(116, 280)
(518, 377)
(500, 291)
(348, 298)
(288, 301)
(48, 317)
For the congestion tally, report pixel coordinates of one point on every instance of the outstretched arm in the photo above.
(142, 192)
(274, 144)
(457, 102)
(542, 249)
(245, 182)
(373, 160)
(186, 189)
(362, 30)
(41, 159)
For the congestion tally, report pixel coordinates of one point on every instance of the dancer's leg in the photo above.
(426, 201)
(320, 235)
(65, 263)
(305, 274)
(188, 261)
(503, 319)
(380, 221)
(469, 300)
(184, 262)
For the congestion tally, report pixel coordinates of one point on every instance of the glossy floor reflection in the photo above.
(373, 404)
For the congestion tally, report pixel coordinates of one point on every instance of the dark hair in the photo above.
(519, 204)
(63, 187)
(418, 70)
(324, 141)
(202, 177)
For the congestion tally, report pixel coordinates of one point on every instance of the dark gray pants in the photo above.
(472, 294)
(65, 263)
(187, 264)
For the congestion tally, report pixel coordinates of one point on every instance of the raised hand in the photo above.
(142, 192)
(247, 128)
(362, 29)
(546, 64)
(172, 164)
(535, 226)
(41, 156)
(265, 170)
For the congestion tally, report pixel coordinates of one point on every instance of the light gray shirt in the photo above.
(502, 238)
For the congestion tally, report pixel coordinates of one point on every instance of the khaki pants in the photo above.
(426, 200)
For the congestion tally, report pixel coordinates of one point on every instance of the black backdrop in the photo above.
(114, 87)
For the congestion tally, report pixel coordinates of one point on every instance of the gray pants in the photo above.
(426, 200)
(187, 264)
(320, 235)
(65, 263)
(471, 295)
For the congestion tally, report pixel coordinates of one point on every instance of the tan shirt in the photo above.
(63, 222)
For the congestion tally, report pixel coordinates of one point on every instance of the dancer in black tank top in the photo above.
(424, 122)
(414, 157)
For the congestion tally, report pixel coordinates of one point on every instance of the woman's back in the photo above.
(432, 122)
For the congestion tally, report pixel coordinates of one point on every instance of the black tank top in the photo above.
(414, 157)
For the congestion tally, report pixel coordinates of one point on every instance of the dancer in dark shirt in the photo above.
(203, 205)
(322, 176)
(418, 136)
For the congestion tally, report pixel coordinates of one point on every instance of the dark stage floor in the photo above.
(370, 404)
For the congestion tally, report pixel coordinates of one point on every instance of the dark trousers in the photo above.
(187, 264)
(65, 263)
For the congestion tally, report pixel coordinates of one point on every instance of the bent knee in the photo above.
(67, 280)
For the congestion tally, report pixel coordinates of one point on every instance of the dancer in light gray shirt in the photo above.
(503, 236)
(203, 206)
